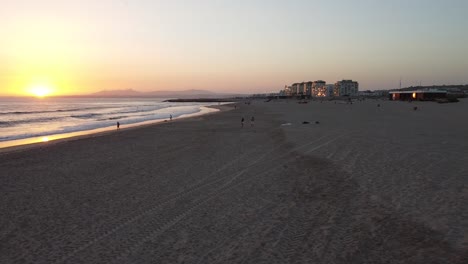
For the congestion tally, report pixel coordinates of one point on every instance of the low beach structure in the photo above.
(419, 95)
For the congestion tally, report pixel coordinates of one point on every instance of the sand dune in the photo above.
(365, 185)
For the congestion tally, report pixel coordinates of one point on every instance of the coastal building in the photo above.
(287, 91)
(302, 89)
(294, 88)
(322, 89)
(329, 89)
(319, 89)
(420, 95)
(346, 88)
(308, 88)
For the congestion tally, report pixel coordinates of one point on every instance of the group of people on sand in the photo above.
(252, 121)
(118, 123)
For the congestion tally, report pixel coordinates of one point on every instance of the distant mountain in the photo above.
(117, 93)
(185, 94)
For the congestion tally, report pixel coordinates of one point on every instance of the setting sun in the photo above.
(40, 91)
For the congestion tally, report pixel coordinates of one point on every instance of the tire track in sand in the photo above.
(197, 187)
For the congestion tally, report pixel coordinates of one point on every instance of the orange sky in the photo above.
(79, 47)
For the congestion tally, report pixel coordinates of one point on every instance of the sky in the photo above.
(79, 47)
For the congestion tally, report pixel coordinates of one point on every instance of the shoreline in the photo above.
(45, 141)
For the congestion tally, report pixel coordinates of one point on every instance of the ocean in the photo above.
(27, 118)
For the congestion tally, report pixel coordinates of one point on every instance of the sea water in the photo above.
(30, 118)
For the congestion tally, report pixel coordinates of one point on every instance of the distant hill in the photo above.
(185, 94)
(117, 93)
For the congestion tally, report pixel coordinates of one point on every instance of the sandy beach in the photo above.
(365, 184)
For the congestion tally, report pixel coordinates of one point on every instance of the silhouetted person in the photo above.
(252, 121)
(170, 117)
(118, 125)
(242, 122)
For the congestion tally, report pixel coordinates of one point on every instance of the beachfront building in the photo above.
(329, 90)
(420, 95)
(301, 89)
(346, 88)
(286, 91)
(308, 89)
(319, 89)
(294, 88)
(322, 89)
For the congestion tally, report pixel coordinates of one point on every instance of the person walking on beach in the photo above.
(118, 125)
(252, 120)
(170, 117)
(242, 122)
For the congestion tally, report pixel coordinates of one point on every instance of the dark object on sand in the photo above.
(317, 122)
(447, 100)
(415, 108)
(118, 125)
(302, 102)
(305, 122)
(378, 105)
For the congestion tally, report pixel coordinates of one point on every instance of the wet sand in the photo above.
(367, 184)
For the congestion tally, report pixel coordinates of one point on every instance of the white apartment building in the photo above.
(346, 87)
(301, 90)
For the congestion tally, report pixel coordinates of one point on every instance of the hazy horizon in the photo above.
(122, 93)
(75, 48)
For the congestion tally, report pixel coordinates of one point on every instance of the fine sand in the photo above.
(366, 184)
